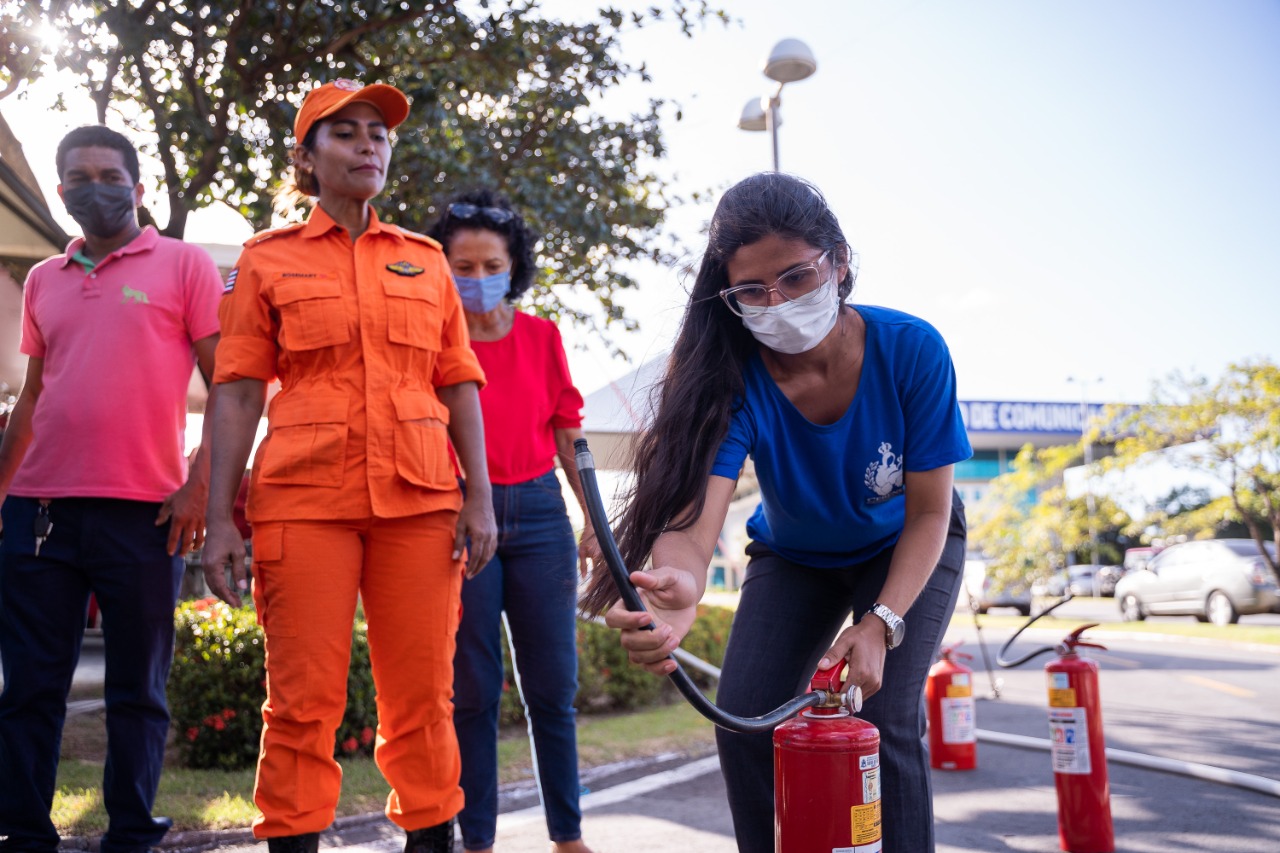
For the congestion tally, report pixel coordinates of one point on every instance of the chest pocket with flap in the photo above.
(413, 312)
(312, 313)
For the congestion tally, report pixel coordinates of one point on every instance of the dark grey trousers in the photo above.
(787, 617)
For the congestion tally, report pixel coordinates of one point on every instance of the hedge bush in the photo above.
(218, 681)
(607, 681)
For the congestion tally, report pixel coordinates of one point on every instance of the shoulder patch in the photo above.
(421, 238)
(231, 280)
(274, 232)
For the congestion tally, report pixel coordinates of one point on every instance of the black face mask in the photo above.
(103, 210)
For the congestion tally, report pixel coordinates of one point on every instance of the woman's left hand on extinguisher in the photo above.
(863, 646)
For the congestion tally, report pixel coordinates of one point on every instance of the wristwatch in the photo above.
(895, 630)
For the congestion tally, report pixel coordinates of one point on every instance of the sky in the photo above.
(1066, 188)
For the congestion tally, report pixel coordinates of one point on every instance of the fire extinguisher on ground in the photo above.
(826, 761)
(953, 740)
(826, 776)
(1079, 750)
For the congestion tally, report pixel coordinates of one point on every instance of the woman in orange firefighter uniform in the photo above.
(352, 490)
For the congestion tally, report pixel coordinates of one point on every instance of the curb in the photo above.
(196, 840)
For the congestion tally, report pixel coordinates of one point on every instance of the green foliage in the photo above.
(607, 681)
(1029, 527)
(218, 683)
(502, 95)
(1228, 428)
(21, 51)
(707, 638)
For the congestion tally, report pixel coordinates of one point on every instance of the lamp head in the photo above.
(789, 61)
(753, 117)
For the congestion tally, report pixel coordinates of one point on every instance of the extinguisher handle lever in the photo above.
(1073, 640)
(952, 652)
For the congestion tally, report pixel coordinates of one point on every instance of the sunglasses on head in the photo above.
(496, 215)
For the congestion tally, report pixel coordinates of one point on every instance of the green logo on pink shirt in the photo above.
(137, 297)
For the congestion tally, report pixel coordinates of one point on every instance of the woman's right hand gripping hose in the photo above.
(671, 595)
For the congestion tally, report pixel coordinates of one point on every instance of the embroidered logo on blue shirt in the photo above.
(884, 476)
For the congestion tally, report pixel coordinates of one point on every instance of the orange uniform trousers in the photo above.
(307, 575)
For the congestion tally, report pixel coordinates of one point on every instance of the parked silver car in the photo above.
(984, 591)
(1214, 580)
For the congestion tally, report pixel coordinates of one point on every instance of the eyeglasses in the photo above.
(798, 285)
(496, 215)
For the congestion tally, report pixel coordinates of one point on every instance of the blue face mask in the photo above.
(482, 295)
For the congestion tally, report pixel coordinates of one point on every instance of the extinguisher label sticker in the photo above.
(871, 787)
(1069, 736)
(865, 824)
(1065, 698)
(956, 691)
(868, 762)
(958, 721)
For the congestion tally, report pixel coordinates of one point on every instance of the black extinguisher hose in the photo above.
(631, 600)
(1009, 664)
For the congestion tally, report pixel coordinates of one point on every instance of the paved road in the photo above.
(1181, 700)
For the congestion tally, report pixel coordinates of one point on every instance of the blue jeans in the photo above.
(113, 549)
(787, 616)
(533, 580)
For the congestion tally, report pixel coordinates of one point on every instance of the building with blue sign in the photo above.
(999, 429)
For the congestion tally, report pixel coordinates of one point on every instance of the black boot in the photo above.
(308, 843)
(433, 839)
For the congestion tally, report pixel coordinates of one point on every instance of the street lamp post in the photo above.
(1086, 441)
(790, 60)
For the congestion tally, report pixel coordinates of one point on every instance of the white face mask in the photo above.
(795, 327)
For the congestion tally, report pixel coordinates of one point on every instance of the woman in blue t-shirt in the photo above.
(850, 417)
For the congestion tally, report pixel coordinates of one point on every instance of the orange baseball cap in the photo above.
(327, 99)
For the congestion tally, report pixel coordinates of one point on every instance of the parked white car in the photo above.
(1213, 580)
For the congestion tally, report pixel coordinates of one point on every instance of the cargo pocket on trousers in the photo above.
(268, 551)
(422, 439)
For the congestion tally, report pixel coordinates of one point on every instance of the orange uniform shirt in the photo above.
(360, 335)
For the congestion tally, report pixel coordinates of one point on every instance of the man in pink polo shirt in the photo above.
(97, 497)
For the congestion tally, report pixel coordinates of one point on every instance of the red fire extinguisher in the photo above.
(1078, 749)
(953, 739)
(826, 775)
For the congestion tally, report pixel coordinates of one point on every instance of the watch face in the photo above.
(897, 634)
(895, 628)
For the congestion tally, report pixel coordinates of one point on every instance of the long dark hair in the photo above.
(703, 380)
(519, 236)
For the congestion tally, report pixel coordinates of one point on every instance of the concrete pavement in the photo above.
(1007, 804)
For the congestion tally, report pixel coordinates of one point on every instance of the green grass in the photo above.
(218, 799)
(210, 799)
(1188, 627)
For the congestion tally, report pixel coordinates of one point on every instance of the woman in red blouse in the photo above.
(532, 414)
